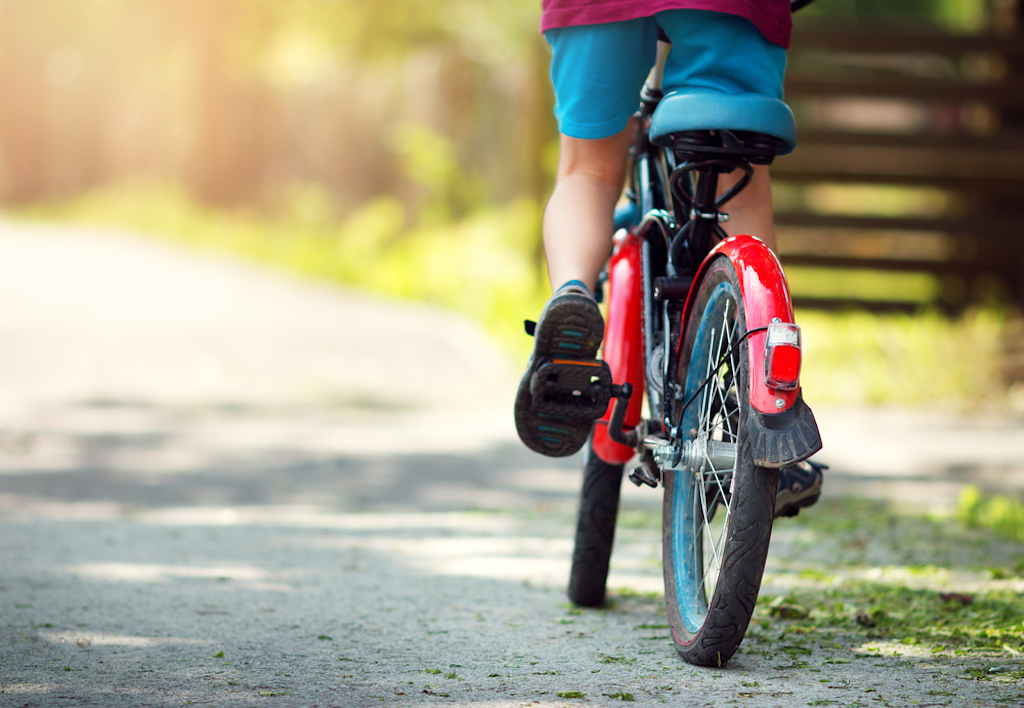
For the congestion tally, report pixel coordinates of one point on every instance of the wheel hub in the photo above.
(699, 455)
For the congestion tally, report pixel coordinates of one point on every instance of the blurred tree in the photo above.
(24, 101)
(55, 61)
(241, 98)
(227, 157)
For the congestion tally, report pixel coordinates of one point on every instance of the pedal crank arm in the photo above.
(616, 432)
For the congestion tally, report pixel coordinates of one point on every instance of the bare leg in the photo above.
(750, 211)
(578, 220)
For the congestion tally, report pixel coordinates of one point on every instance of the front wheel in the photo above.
(718, 512)
(595, 529)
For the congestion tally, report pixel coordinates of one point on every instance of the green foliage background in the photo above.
(443, 210)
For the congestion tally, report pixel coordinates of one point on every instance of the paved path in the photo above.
(219, 485)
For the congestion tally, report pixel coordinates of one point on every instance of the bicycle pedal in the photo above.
(572, 388)
(641, 475)
(647, 473)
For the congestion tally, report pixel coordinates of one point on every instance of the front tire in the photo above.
(717, 522)
(595, 529)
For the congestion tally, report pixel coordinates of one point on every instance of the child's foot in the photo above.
(799, 487)
(570, 329)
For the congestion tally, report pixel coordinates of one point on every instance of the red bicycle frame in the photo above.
(623, 342)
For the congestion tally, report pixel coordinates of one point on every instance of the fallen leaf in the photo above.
(961, 597)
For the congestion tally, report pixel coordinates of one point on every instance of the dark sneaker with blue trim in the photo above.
(799, 487)
(568, 332)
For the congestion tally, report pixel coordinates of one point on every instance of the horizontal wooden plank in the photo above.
(1002, 271)
(1008, 94)
(886, 39)
(989, 227)
(984, 145)
(887, 244)
(977, 187)
(822, 303)
(920, 164)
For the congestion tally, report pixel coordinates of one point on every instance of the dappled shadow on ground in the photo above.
(232, 615)
(208, 557)
(133, 456)
(494, 479)
(153, 614)
(360, 609)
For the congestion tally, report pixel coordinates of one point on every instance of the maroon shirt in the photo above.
(772, 17)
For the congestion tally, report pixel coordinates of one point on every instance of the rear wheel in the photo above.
(595, 530)
(717, 514)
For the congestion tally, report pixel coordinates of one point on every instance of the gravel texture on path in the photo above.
(221, 486)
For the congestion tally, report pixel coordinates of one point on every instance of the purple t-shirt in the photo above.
(772, 17)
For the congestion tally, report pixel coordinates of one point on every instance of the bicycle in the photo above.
(708, 332)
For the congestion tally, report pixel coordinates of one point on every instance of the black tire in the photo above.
(595, 530)
(717, 522)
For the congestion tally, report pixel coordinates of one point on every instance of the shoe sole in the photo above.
(789, 504)
(569, 327)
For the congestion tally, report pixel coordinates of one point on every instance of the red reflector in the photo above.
(783, 368)
(782, 356)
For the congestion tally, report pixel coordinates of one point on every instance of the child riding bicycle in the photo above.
(602, 50)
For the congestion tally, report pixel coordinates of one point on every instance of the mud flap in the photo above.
(783, 439)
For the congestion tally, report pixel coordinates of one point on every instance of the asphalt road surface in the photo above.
(223, 486)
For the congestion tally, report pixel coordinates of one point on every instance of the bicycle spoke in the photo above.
(728, 379)
(704, 533)
(719, 421)
(707, 399)
(719, 408)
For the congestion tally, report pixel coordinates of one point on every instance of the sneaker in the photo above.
(570, 327)
(799, 486)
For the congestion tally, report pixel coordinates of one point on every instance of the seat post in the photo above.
(704, 205)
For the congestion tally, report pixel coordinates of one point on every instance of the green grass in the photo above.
(856, 579)
(917, 360)
(1001, 514)
(485, 266)
(990, 620)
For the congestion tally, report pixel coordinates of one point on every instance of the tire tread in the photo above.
(595, 531)
(746, 547)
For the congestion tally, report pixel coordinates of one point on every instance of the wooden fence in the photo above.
(910, 164)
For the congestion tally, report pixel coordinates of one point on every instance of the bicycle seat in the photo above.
(700, 109)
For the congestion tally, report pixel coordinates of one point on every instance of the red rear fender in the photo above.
(765, 296)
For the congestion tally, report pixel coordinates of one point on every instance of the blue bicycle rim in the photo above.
(687, 568)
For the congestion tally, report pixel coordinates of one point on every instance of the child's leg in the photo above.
(597, 72)
(750, 211)
(578, 219)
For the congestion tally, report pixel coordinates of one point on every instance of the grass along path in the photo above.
(882, 608)
(486, 266)
(859, 580)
